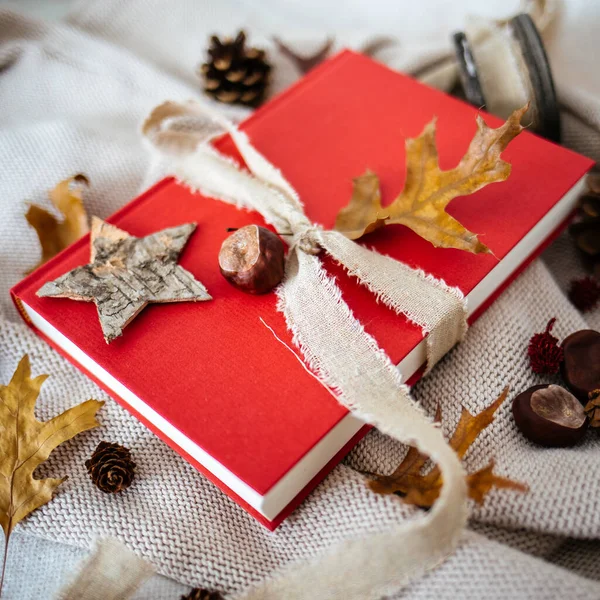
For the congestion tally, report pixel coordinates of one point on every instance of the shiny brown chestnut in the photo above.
(252, 259)
(550, 415)
(580, 368)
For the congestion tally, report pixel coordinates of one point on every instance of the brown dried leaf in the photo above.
(482, 481)
(377, 44)
(428, 190)
(26, 442)
(470, 426)
(404, 474)
(423, 490)
(364, 212)
(305, 63)
(54, 235)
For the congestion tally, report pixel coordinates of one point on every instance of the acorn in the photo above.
(580, 367)
(549, 415)
(253, 259)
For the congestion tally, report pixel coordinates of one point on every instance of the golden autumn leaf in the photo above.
(26, 442)
(423, 490)
(56, 235)
(428, 190)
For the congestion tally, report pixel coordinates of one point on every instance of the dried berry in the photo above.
(202, 594)
(253, 259)
(580, 368)
(592, 408)
(544, 351)
(549, 415)
(584, 293)
(111, 467)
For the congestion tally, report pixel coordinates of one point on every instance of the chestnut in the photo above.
(253, 259)
(580, 367)
(549, 415)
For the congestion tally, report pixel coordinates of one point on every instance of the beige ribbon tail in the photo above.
(112, 572)
(346, 358)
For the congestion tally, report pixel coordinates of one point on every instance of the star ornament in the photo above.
(127, 273)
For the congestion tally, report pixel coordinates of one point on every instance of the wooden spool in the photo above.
(508, 68)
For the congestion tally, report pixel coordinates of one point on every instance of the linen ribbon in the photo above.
(338, 350)
(111, 572)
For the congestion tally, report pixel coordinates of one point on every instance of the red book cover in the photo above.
(209, 378)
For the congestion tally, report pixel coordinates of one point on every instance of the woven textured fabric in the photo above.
(124, 58)
(38, 569)
(485, 569)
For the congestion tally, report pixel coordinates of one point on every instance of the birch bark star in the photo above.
(127, 273)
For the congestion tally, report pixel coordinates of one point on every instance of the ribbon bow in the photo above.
(338, 349)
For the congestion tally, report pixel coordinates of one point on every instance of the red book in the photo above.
(209, 378)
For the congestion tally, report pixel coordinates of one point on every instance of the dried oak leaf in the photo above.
(423, 490)
(56, 235)
(304, 63)
(26, 442)
(428, 190)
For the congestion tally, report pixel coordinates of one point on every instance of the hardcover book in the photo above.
(209, 378)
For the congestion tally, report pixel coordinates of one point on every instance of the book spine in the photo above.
(17, 302)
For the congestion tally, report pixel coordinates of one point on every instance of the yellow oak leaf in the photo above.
(428, 189)
(56, 235)
(423, 490)
(26, 442)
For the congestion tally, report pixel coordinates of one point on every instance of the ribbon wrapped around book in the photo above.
(337, 349)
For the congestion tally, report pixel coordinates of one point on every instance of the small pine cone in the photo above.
(592, 408)
(202, 594)
(544, 351)
(233, 73)
(584, 293)
(111, 468)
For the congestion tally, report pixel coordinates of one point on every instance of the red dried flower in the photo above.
(545, 354)
(584, 293)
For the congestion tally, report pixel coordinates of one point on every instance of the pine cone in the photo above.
(586, 231)
(592, 408)
(202, 594)
(235, 74)
(111, 467)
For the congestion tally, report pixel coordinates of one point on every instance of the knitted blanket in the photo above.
(73, 96)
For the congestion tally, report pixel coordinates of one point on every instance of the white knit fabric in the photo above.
(72, 98)
(39, 569)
